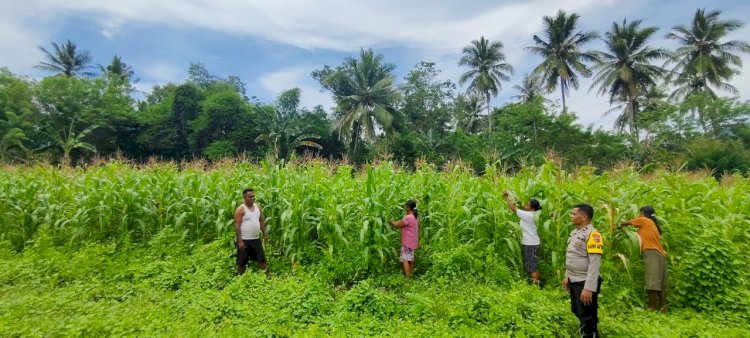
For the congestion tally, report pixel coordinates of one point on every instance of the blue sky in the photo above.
(274, 45)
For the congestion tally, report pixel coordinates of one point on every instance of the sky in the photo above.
(273, 45)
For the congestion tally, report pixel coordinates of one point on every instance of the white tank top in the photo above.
(250, 226)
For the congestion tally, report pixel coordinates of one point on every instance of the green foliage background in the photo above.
(118, 249)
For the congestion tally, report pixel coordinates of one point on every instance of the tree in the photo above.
(427, 101)
(185, 108)
(485, 59)
(528, 131)
(284, 130)
(11, 136)
(205, 115)
(69, 141)
(118, 69)
(716, 116)
(721, 156)
(562, 53)
(17, 112)
(702, 58)
(468, 109)
(158, 133)
(88, 101)
(318, 122)
(364, 93)
(225, 122)
(625, 71)
(529, 89)
(650, 101)
(199, 75)
(66, 59)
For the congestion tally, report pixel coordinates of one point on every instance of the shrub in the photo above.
(709, 274)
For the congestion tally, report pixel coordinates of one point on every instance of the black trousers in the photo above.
(587, 314)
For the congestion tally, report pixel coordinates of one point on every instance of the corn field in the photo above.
(319, 212)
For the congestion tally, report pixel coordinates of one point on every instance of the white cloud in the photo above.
(108, 33)
(110, 27)
(334, 24)
(428, 29)
(144, 87)
(163, 72)
(20, 48)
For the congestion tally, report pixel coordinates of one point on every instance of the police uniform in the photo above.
(582, 261)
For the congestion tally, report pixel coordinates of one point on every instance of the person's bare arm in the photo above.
(397, 224)
(263, 226)
(237, 225)
(508, 202)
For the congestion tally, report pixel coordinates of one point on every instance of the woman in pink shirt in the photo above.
(409, 226)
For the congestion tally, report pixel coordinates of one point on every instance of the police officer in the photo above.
(582, 261)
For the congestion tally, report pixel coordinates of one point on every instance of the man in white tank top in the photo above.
(249, 223)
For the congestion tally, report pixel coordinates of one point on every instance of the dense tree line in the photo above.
(670, 105)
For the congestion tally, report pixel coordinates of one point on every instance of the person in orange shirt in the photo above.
(654, 257)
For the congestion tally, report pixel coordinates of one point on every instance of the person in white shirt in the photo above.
(530, 242)
(249, 223)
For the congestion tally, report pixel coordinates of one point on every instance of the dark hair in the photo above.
(649, 211)
(535, 204)
(587, 209)
(245, 191)
(412, 205)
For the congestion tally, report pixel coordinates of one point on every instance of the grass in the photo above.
(105, 290)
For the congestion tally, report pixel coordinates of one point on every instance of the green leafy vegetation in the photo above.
(119, 249)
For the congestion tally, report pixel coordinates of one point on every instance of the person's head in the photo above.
(411, 205)
(582, 214)
(248, 195)
(533, 205)
(648, 212)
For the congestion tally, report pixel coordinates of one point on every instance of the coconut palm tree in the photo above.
(119, 69)
(365, 95)
(562, 53)
(625, 71)
(649, 101)
(469, 109)
(689, 84)
(66, 59)
(702, 58)
(485, 59)
(529, 89)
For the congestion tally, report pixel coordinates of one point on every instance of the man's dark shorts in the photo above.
(253, 252)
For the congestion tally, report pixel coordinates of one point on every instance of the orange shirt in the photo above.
(649, 234)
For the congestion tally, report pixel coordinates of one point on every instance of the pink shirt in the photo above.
(410, 232)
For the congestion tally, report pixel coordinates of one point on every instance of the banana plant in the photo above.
(69, 140)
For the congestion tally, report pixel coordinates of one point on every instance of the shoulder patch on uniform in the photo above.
(595, 243)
